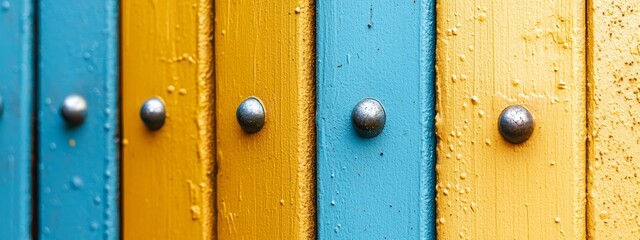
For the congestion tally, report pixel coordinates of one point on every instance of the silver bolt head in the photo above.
(153, 113)
(74, 110)
(368, 118)
(251, 115)
(516, 124)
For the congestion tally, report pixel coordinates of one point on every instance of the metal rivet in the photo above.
(153, 113)
(516, 124)
(74, 110)
(250, 115)
(368, 118)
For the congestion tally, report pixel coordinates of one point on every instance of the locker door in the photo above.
(264, 59)
(614, 136)
(167, 109)
(77, 113)
(492, 184)
(16, 94)
(381, 52)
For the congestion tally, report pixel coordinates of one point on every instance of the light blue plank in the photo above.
(16, 91)
(78, 173)
(383, 187)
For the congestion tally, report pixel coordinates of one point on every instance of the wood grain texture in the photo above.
(492, 54)
(78, 166)
(265, 186)
(614, 135)
(167, 174)
(382, 187)
(16, 93)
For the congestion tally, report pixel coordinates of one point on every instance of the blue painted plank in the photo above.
(16, 93)
(382, 187)
(78, 173)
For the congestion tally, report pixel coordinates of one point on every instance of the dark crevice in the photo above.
(35, 150)
(119, 127)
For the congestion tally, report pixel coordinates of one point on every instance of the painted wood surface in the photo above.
(614, 136)
(492, 54)
(382, 187)
(265, 186)
(16, 92)
(167, 174)
(78, 166)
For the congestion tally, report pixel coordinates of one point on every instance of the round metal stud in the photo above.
(153, 113)
(516, 124)
(251, 115)
(368, 118)
(74, 110)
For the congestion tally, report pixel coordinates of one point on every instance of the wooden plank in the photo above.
(265, 186)
(613, 211)
(16, 94)
(492, 54)
(78, 166)
(167, 53)
(382, 187)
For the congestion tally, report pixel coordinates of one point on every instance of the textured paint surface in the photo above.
(265, 186)
(614, 127)
(16, 91)
(167, 53)
(78, 166)
(492, 54)
(382, 187)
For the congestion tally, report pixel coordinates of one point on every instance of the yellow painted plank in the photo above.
(492, 54)
(265, 186)
(614, 133)
(167, 183)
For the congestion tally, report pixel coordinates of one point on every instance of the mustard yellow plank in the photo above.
(614, 103)
(167, 183)
(492, 54)
(264, 181)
